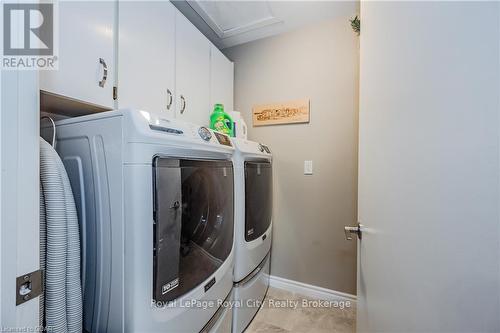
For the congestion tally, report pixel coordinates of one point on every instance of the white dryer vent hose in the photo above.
(60, 246)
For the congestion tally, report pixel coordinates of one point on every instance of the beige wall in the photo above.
(319, 62)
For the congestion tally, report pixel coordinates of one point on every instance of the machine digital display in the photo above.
(223, 139)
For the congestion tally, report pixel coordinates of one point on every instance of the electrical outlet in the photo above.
(308, 167)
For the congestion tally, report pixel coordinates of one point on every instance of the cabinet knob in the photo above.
(102, 82)
(170, 99)
(183, 104)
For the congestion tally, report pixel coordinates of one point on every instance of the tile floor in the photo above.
(299, 317)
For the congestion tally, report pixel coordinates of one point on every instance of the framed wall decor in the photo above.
(291, 112)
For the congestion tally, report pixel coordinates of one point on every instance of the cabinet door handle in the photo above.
(183, 104)
(102, 82)
(170, 99)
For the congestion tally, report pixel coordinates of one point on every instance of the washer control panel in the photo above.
(205, 133)
(223, 139)
(210, 136)
(176, 128)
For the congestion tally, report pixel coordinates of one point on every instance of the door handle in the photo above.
(170, 99)
(102, 82)
(183, 104)
(349, 230)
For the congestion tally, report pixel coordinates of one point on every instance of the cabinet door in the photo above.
(192, 74)
(86, 47)
(221, 79)
(146, 56)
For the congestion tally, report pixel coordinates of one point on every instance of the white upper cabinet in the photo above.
(192, 72)
(86, 53)
(221, 79)
(146, 57)
(158, 60)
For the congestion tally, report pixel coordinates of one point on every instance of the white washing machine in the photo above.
(155, 204)
(253, 227)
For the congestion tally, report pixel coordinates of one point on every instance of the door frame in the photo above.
(19, 195)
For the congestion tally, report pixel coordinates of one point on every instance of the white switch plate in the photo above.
(308, 167)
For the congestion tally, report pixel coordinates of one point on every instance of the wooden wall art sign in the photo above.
(291, 112)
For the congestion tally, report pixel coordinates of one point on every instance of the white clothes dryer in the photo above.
(253, 229)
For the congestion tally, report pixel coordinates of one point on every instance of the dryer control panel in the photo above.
(264, 149)
(251, 147)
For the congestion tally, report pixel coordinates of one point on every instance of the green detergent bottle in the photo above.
(221, 121)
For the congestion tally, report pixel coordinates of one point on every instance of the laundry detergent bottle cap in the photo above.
(220, 121)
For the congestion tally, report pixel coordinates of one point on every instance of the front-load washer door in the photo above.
(193, 223)
(258, 198)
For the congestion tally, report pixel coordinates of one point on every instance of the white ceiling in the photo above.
(230, 23)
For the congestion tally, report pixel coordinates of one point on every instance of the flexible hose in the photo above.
(63, 293)
(43, 242)
(74, 305)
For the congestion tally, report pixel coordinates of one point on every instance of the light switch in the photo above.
(308, 167)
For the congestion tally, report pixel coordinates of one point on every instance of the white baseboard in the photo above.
(308, 290)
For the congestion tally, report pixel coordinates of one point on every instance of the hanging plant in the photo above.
(356, 24)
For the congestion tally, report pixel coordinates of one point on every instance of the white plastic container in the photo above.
(239, 125)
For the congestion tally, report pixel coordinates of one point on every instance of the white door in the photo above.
(221, 79)
(146, 57)
(86, 44)
(192, 72)
(429, 167)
